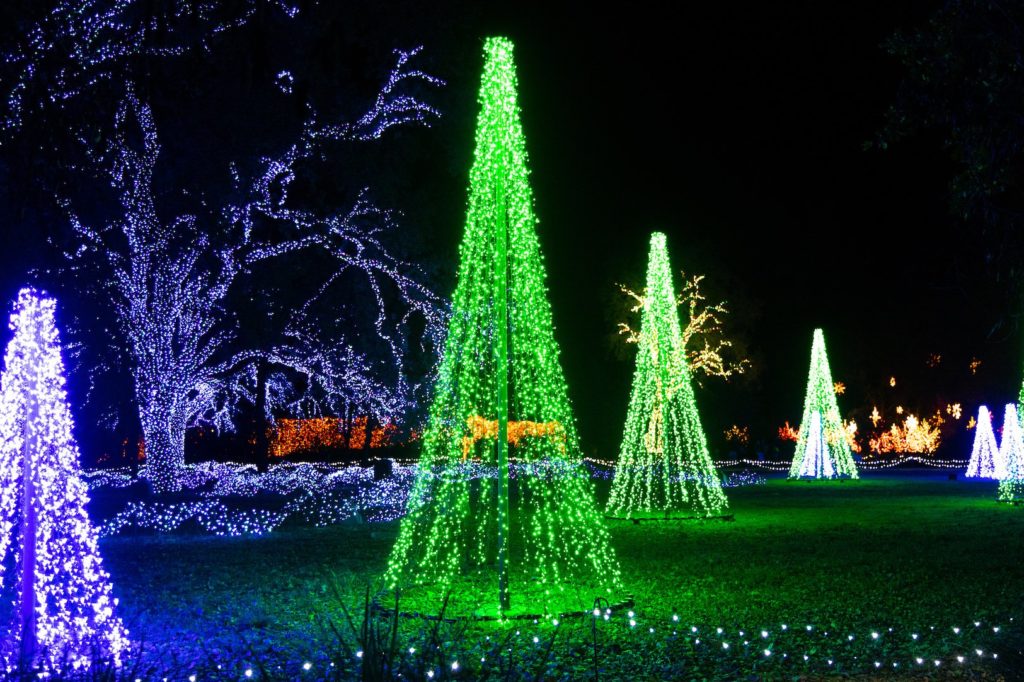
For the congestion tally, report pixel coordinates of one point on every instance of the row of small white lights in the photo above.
(765, 634)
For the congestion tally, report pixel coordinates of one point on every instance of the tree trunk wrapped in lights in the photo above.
(985, 461)
(664, 463)
(500, 366)
(826, 452)
(1011, 458)
(64, 610)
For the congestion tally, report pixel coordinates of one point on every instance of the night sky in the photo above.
(740, 131)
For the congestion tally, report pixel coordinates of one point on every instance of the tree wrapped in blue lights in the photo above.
(664, 464)
(822, 449)
(500, 383)
(169, 284)
(985, 461)
(63, 607)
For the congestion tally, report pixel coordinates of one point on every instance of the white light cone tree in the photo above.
(816, 462)
(63, 606)
(985, 459)
(827, 448)
(1011, 458)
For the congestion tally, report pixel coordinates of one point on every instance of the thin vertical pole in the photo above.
(501, 284)
(28, 535)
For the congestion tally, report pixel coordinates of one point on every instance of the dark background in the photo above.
(739, 130)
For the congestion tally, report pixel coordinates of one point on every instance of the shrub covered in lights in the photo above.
(822, 450)
(664, 463)
(500, 364)
(63, 607)
(985, 459)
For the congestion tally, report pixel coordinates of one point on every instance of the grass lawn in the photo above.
(910, 551)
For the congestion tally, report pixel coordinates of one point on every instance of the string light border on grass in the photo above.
(798, 649)
(328, 494)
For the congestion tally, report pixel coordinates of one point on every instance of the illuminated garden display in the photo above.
(540, 538)
(985, 459)
(664, 465)
(326, 387)
(1010, 466)
(822, 449)
(63, 608)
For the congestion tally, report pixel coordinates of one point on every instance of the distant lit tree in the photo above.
(823, 446)
(1011, 455)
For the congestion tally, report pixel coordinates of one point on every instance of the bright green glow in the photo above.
(821, 398)
(558, 538)
(1011, 485)
(664, 464)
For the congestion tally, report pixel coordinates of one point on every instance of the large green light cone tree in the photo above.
(822, 450)
(499, 381)
(664, 465)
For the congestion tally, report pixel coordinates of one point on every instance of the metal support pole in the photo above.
(501, 342)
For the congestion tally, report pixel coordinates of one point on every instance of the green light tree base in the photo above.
(500, 383)
(471, 595)
(822, 449)
(664, 468)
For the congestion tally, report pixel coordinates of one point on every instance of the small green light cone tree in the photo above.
(500, 382)
(822, 450)
(1011, 456)
(664, 464)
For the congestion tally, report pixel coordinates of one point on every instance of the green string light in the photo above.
(501, 325)
(664, 463)
(822, 450)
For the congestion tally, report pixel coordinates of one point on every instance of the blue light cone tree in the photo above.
(822, 450)
(664, 465)
(985, 460)
(63, 607)
(1011, 458)
(500, 383)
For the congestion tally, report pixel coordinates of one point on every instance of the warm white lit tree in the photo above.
(709, 352)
